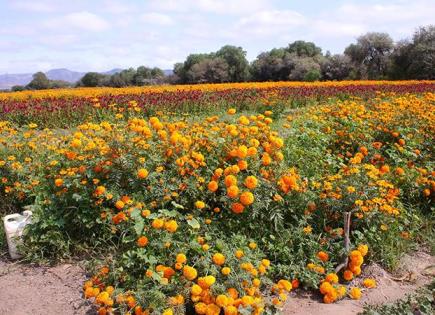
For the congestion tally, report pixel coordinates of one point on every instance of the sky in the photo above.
(99, 35)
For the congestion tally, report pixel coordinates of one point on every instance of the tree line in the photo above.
(374, 56)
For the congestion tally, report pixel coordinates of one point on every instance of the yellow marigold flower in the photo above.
(369, 283)
(222, 300)
(231, 111)
(199, 204)
(171, 226)
(190, 273)
(226, 271)
(157, 223)
(355, 293)
(195, 290)
(363, 249)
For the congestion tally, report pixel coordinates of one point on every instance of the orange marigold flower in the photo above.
(142, 241)
(251, 182)
(230, 180)
(237, 207)
(212, 186)
(119, 204)
(246, 198)
(233, 191)
(142, 173)
(218, 259)
(323, 256)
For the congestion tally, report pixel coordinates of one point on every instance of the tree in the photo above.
(59, 84)
(212, 70)
(92, 79)
(238, 65)
(305, 69)
(371, 54)
(18, 88)
(336, 67)
(304, 49)
(39, 82)
(422, 54)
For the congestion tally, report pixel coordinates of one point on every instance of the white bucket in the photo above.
(14, 226)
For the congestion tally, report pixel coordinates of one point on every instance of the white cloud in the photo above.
(157, 19)
(270, 23)
(80, 21)
(237, 7)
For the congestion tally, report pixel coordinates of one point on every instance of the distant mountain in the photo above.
(8, 80)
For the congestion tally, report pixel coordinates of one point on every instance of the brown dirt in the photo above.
(34, 290)
(27, 289)
(412, 273)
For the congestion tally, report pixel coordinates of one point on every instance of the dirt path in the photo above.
(412, 274)
(41, 290)
(57, 290)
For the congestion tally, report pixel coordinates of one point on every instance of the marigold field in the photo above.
(221, 199)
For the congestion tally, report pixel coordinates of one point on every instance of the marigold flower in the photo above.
(157, 223)
(212, 186)
(171, 226)
(251, 182)
(142, 241)
(58, 182)
(323, 256)
(369, 283)
(119, 204)
(246, 198)
(181, 258)
(218, 259)
(142, 173)
(347, 275)
(237, 207)
(233, 191)
(355, 293)
(199, 204)
(190, 273)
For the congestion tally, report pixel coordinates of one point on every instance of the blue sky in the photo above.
(99, 35)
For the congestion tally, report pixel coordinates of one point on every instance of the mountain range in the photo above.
(8, 80)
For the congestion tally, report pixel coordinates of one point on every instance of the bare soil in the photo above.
(34, 290)
(26, 289)
(415, 271)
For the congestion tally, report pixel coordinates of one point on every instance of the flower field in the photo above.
(215, 199)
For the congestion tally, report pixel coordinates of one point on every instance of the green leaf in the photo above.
(194, 224)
